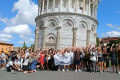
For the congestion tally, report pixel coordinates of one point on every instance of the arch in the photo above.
(50, 38)
(40, 23)
(85, 21)
(52, 18)
(51, 25)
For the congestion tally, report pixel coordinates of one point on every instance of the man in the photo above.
(10, 66)
(2, 60)
(119, 60)
(113, 55)
(17, 63)
(14, 56)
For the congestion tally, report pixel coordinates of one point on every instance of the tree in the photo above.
(97, 40)
(32, 46)
(24, 46)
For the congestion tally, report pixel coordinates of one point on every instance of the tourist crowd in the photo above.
(91, 59)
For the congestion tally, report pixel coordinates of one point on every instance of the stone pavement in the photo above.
(55, 75)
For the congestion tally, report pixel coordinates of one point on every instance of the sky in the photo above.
(17, 20)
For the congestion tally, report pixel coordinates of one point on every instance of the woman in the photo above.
(87, 59)
(100, 59)
(41, 60)
(106, 60)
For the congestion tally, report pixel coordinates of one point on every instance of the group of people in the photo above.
(91, 59)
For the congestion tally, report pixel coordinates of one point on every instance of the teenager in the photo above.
(17, 63)
(3, 57)
(41, 60)
(113, 55)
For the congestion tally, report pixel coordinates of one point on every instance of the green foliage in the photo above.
(32, 46)
(24, 46)
(97, 40)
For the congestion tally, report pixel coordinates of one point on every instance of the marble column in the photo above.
(44, 35)
(53, 5)
(36, 37)
(60, 5)
(88, 38)
(96, 13)
(93, 11)
(68, 5)
(74, 36)
(95, 36)
(83, 7)
(47, 5)
(89, 8)
(76, 6)
(43, 4)
(58, 38)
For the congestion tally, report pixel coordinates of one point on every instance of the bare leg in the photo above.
(101, 65)
(113, 68)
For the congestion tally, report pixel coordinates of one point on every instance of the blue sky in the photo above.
(17, 23)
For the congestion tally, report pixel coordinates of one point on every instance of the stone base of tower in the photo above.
(63, 29)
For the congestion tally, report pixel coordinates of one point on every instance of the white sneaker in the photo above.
(35, 70)
(63, 70)
(58, 69)
(12, 71)
(67, 69)
(25, 72)
(19, 69)
(119, 72)
(76, 70)
(79, 70)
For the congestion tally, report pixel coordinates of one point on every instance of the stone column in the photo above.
(47, 5)
(68, 5)
(44, 35)
(89, 8)
(60, 5)
(58, 38)
(88, 38)
(96, 13)
(76, 6)
(74, 36)
(53, 5)
(36, 37)
(93, 10)
(83, 7)
(43, 6)
(95, 36)
(39, 7)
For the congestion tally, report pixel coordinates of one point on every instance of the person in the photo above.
(93, 58)
(87, 59)
(77, 58)
(3, 57)
(34, 66)
(100, 59)
(17, 63)
(119, 59)
(10, 66)
(113, 55)
(41, 60)
(106, 60)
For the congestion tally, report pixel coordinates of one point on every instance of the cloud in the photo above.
(26, 39)
(27, 12)
(5, 37)
(19, 29)
(117, 11)
(110, 25)
(111, 34)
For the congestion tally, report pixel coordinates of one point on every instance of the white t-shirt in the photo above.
(93, 56)
(9, 64)
(18, 63)
(3, 55)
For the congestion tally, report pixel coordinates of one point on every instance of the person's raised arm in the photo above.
(111, 47)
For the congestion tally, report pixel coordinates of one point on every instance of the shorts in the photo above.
(2, 61)
(25, 68)
(100, 59)
(113, 62)
(106, 59)
(33, 67)
(119, 62)
(77, 62)
(82, 60)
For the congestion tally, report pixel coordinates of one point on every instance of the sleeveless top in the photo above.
(99, 54)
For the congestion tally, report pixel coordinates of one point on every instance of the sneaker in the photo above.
(79, 70)
(116, 72)
(119, 72)
(58, 69)
(63, 70)
(67, 69)
(101, 71)
(76, 70)
(35, 70)
(19, 69)
(12, 71)
(25, 72)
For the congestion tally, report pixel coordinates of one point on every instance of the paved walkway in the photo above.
(55, 75)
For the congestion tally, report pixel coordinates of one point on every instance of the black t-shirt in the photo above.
(13, 58)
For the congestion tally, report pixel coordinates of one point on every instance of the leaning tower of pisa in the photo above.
(63, 23)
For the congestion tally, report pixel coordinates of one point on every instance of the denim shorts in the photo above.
(100, 59)
(77, 62)
(2, 61)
